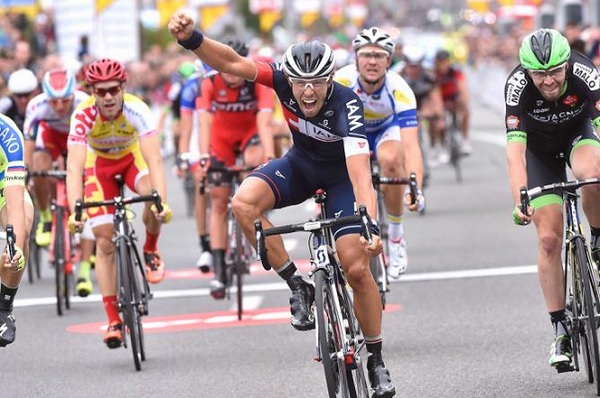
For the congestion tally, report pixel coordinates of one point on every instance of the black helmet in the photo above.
(239, 46)
(308, 60)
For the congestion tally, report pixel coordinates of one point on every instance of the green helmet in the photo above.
(187, 69)
(544, 49)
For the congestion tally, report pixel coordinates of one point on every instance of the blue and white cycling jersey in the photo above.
(12, 165)
(394, 104)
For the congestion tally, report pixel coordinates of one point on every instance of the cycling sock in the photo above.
(7, 296)
(151, 242)
(46, 215)
(84, 269)
(205, 243)
(395, 229)
(558, 319)
(287, 270)
(219, 263)
(111, 308)
(374, 344)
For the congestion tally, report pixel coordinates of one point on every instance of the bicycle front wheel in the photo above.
(378, 271)
(589, 310)
(58, 262)
(127, 303)
(329, 332)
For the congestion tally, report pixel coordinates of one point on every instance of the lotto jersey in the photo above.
(318, 138)
(39, 110)
(233, 107)
(393, 104)
(111, 139)
(12, 165)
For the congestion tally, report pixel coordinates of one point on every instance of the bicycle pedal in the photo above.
(564, 367)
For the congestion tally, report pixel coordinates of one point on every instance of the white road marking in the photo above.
(254, 301)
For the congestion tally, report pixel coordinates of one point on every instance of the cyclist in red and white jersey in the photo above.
(233, 113)
(46, 129)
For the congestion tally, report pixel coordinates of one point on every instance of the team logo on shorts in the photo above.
(512, 122)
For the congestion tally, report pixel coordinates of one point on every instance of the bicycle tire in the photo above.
(68, 260)
(573, 296)
(127, 304)
(190, 194)
(143, 294)
(58, 260)
(455, 154)
(589, 310)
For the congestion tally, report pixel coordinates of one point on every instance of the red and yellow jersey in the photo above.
(111, 139)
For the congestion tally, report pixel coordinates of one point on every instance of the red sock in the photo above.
(151, 241)
(111, 308)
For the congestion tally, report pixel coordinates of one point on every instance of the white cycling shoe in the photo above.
(398, 260)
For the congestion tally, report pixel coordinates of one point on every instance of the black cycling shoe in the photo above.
(303, 296)
(379, 377)
(7, 329)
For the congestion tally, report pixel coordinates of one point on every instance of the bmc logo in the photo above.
(235, 106)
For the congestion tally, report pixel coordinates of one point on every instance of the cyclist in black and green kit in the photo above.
(552, 109)
(16, 209)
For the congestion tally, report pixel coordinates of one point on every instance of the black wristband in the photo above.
(192, 42)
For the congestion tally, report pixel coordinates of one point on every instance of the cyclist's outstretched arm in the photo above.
(517, 171)
(359, 171)
(217, 55)
(150, 147)
(413, 159)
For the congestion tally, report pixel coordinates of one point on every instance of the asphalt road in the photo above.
(467, 320)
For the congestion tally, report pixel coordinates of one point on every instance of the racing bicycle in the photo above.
(378, 263)
(238, 256)
(338, 335)
(453, 142)
(581, 279)
(63, 250)
(133, 290)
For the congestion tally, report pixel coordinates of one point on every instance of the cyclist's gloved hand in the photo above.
(519, 218)
(204, 163)
(74, 225)
(419, 204)
(165, 216)
(182, 161)
(17, 263)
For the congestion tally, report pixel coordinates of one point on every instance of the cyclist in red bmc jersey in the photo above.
(455, 93)
(233, 113)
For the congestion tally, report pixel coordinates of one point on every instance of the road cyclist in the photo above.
(328, 127)
(552, 102)
(392, 130)
(113, 132)
(16, 209)
(234, 114)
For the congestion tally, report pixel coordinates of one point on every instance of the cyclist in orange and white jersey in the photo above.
(232, 114)
(46, 129)
(113, 133)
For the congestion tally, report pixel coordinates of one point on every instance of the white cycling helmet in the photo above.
(308, 60)
(413, 55)
(22, 81)
(374, 37)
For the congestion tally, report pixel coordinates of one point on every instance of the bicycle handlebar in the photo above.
(309, 226)
(526, 195)
(10, 240)
(411, 182)
(154, 197)
(48, 173)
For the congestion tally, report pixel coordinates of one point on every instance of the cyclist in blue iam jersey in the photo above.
(331, 152)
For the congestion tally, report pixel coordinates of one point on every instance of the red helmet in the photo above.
(105, 70)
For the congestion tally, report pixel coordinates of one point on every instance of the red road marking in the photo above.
(210, 320)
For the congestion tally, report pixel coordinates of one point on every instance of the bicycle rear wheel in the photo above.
(127, 303)
(330, 328)
(377, 265)
(589, 309)
(190, 195)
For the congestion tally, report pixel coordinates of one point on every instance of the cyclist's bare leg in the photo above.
(367, 303)
(219, 197)
(391, 161)
(106, 273)
(250, 202)
(253, 155)
(549, 223)
(585, 163)
(42, 161)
